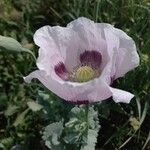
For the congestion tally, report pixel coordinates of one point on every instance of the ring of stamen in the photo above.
(83, 74)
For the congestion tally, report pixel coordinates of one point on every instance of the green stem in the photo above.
(87, 116)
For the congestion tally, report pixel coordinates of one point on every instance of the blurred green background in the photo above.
(122, 126)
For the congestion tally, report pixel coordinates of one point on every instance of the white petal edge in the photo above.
(121, 96)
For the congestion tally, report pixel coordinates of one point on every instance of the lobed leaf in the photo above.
(34, 106)
(52, 134)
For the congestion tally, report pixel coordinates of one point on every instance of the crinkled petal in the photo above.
(85, 29)
(127, 57)
(128, 52)
(95, 90)
(90, 38)
(112, 46)
(59, 43)
(121, 96)
(48, 52)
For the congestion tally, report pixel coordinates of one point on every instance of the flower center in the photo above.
(83, 74)
(88, 68)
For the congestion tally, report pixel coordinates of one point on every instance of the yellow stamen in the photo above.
(84, 74)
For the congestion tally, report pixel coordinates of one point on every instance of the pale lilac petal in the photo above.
(90, 38)
(121, 96)
(95, 90)
(48, 49)
(128, 52)
(100, 91)
(127, 57)
(56, 42)
(112, 46)
(85, 29)
(48, 62)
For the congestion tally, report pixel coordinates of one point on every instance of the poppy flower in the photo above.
(79, 62)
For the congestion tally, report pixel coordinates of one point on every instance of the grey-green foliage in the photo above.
(5, 143)
(34, 106)
(91, 140)
(93, 128)
(21, 118)
(80, 132)
(8, 44)
(52, 134)
(11, 109)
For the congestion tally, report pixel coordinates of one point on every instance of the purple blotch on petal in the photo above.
(61, 70)
(93, 58)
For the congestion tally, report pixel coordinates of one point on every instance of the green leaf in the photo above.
(20, 118)
(138, 106)
(82, 128)
(34, 106)
(93, 129)
(11, 109)
(6, 143)
(146, 106)
(147, 141)
(52, 134)
(11, 45)
(72, 138)
(91, 140)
